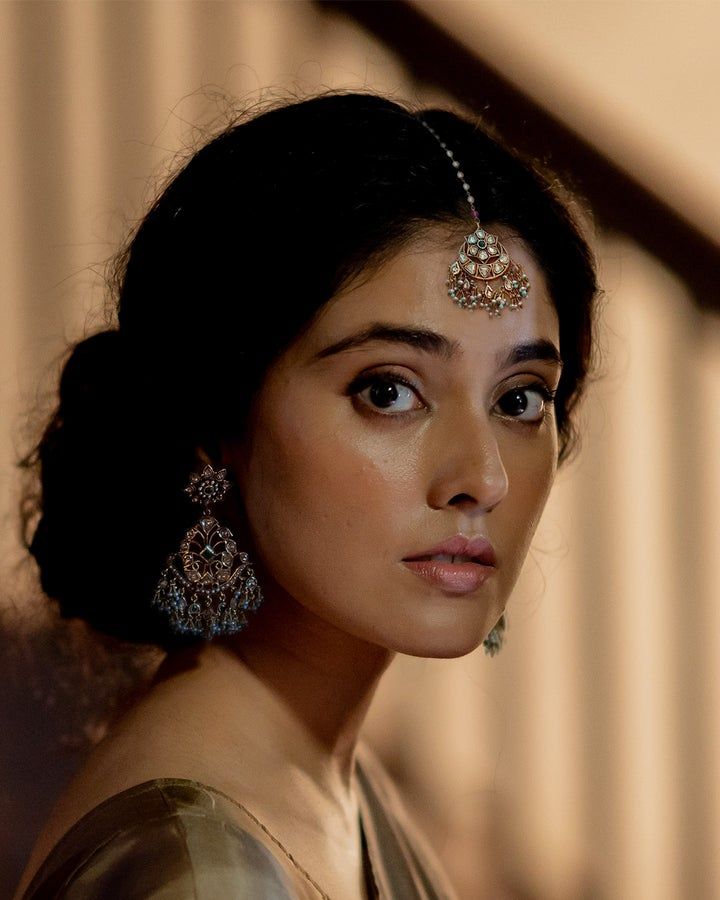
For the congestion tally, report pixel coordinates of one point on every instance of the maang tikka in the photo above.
(207, 586)
(482, 276)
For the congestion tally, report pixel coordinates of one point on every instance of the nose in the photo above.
(467, 469)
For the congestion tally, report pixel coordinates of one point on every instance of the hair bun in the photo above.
(107, 483)
(92, 375)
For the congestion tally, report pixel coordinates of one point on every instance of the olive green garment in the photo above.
(177, 839)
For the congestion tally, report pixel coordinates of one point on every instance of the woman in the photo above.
(354, 335)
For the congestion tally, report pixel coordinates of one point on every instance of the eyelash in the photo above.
(369, 379)
(548, 398)
(362, 382)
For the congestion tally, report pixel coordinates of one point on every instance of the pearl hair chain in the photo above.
(482, 276)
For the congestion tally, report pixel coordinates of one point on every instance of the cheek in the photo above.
(323, 497)
(531, 473)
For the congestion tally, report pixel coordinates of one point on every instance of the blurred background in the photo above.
(583, 761)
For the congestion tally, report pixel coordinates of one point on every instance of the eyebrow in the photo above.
(420, 338)
(541, 349)
(431, 342)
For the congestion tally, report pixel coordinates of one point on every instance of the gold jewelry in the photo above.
(208, 586)
(482, 276)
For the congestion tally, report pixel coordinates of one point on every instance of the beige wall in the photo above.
(583, 760)
(637, 78)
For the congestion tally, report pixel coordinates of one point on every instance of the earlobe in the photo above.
(232, 455)
(202, 457)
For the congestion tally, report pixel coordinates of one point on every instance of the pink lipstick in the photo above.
(458, 564)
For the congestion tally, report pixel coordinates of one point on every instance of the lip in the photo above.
(458, 577)
(479, 549)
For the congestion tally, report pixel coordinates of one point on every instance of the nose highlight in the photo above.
(471, 477)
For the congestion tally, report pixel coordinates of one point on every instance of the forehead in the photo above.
(410, 289)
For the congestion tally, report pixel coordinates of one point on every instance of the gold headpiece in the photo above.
(482, 276)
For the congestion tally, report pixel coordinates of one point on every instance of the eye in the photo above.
(529, 403)
(385, 393)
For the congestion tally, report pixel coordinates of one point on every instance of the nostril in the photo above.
(461, 498)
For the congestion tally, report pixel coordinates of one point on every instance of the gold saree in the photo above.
(177, 839)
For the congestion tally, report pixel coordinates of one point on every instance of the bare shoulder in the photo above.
(111, 768)
(138, 784)
(161, 838)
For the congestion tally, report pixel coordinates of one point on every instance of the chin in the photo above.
(449, 652)
(440, 643)
(441, 628)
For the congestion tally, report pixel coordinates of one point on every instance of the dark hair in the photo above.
(234, 259)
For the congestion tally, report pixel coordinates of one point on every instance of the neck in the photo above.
(290, 693)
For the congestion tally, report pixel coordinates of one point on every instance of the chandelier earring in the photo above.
(207, 586)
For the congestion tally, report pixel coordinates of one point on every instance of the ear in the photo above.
(203, 458)
(208, 453)
(232, 455)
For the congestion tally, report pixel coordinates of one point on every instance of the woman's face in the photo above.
(363, 451)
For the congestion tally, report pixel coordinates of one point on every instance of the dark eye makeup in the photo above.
(515, 401)
(382, 392)
(386, 393)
